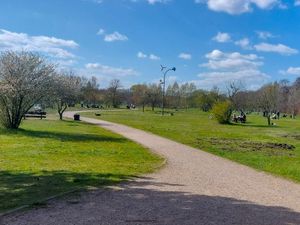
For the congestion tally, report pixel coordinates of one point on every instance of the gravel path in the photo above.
(194, 187)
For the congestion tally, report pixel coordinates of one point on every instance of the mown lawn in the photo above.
(48, 157)
(275, 149)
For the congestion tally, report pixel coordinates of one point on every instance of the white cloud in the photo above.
(282, 5)
(115, 36)
(65, 63)
(225, 67)
(104, 70)
(297, 3)
(279, 48)
(154, 57)
(265, 4)
(185, 56)
(291, 71)
(265, 35)
(215, 54)
(243, 43)
(101, 31)
(51, 46)
(222, 37)
(152, 2)
(235, 7)
(93, 1)
(218, 60)
(141, 55)
(250, 78)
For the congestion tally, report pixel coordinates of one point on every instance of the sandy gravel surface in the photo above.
(194, 187)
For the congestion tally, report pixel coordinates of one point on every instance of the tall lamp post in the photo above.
(165, 70)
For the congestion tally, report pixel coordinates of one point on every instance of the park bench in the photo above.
(35, 114)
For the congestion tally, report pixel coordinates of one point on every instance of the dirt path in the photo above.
(194, 187)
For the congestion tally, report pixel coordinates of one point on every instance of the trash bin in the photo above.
(76, 117)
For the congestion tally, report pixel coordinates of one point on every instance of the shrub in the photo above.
(222, 111)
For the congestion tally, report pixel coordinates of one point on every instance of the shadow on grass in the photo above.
(17, 189)
(64, 136)
(148, 202)
(250, 124)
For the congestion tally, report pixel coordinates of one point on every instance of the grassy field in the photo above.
(275, 149)
(48, 157)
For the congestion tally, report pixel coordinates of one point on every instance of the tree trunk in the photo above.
(269, 119)
(61, 107)
(293, 114)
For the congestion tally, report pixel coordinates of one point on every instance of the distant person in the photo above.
(244, 118)
(234, 118)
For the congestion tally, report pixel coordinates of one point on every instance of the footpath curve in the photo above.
(194, 187)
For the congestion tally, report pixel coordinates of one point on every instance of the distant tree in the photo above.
(200, 99)
(25, 79)
(205, 100)
(297, 83)
(233, 88)
(283, 95)
(125, 96)
(186, 91)
(246, 101)
(139, 94)
(66, 91)
(294, 99)
(268, 99)
(154, 95)
(173, 96)
(113, 93)
(90, 90)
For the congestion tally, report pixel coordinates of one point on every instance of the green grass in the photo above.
(49, 157)
(274, 149)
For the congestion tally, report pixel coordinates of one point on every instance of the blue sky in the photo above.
(210, 42)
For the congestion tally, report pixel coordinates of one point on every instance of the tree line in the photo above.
(26, 79)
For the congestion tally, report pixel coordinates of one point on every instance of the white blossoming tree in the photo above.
(25, 79)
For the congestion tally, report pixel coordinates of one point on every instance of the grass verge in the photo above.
(274, 149)
(49, 157)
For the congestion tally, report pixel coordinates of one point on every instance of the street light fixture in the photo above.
(165, 70)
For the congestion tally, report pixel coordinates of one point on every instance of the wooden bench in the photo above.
(35, 114)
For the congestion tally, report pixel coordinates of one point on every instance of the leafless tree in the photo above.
(90, 91)
(284, 94)
(173, 96)
(139, 94)
(233, 88)
(113, 92)
(294, 100)
(66, 91)
(186, 91)
(25, 79)
(154, 95)
(246, 101)
(268, 99)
